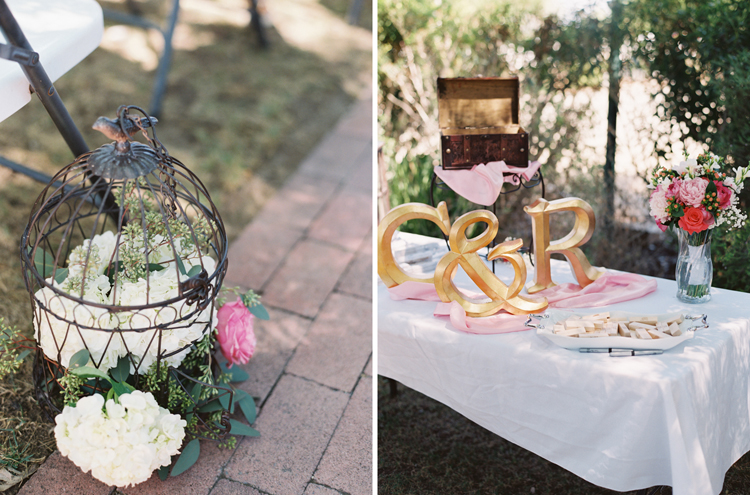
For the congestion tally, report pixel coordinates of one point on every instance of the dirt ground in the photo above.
(241, 117)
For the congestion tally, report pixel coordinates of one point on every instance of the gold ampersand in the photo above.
(463, 252)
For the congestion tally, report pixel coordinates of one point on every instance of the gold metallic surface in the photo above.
(463, 252)
(388, 269)
(540, 211)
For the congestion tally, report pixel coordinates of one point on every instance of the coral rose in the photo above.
(235, 332)
(693, 191)
(695, 220)
(723, 194)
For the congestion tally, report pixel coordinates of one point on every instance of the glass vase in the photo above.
(694, 267)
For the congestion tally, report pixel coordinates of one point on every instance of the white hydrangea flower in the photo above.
(55, 335)
(101, 248)
(104, 346)
(121, 444)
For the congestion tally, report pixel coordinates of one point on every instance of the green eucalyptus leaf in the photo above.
(189, 456)
(259, 311)
(164, 472)
(60, 275)
(194, 271)
(79, 359)
(91, 372)
(180, 265)
(238, 428)
(225, 402)
(44, 262)
(196, 392)
(155, 267)
(212, 406)
(122, 371)
(23, 355)
(236, 372)
(121, 388)
(247, 404)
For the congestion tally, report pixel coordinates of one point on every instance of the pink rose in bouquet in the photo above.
(235, 332)
(695, 220)
(658, 204)
(693, 191)
(723, 194)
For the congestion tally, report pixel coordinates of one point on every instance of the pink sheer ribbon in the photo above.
(610, 288)
(482, 183)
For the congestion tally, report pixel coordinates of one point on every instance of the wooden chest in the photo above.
(478, 120)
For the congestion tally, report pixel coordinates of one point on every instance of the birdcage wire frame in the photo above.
(82, 202)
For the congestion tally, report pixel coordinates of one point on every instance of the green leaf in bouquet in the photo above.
(180, 265)
(238, 428)
(79, 359)
(259, 311)
(212, 406)
(91, 372)
(163, 472)
(60, 275)
(23, 355)
(189, 456)
(196, 392)
(247, 404)
(121, 372)
(44, 262)
(155, 267)
(122, 388)
(237, 374)
(194, 271)
(225, 401)
(711, 187)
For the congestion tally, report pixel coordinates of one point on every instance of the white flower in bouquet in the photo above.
(105, 349)
(94, 324)
(94, 253)
(121, 444)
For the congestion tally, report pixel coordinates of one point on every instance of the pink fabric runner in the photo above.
(608, 289)
(482, 183)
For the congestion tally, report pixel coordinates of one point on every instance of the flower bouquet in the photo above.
(132, 397)
(124, 257)
(694, 197)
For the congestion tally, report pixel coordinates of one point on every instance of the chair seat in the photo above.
(62, 32)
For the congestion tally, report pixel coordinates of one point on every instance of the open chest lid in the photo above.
(478, 105)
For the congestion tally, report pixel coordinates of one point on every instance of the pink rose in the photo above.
(695, 220)
(723, 194)
(661, 226)
(693, 191)
(658, 204)
(236, 336)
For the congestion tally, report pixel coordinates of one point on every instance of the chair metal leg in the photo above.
(256, 24)
(394, 387)
(160, 85)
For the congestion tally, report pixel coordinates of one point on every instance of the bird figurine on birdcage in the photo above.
(124, 256)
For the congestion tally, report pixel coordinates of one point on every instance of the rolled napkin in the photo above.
(482, 183)
(610, 288)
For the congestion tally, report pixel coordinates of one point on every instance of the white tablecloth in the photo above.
(62, 32)
(679, 419)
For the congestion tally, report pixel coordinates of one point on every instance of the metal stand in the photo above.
(519, 182)
(19, 50)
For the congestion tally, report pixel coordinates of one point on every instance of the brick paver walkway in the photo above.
(309, 253)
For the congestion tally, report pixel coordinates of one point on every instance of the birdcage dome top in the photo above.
(124, 238)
